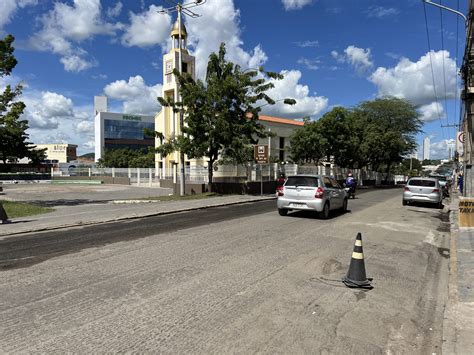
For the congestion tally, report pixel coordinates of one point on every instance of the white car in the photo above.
(422, 189)
(311, 193)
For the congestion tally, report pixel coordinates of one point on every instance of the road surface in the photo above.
(231, 279)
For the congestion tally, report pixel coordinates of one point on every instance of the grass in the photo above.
(185, 197)
(21, 209)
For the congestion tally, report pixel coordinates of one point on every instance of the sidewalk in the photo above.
(86, 214)
(458, 325)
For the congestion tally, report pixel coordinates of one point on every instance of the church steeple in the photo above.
(175, 35)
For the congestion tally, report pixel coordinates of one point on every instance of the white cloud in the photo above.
(137, 97)
(45, 110)
(220, 23)
(9, 7)
(306, 44)
(90, 145)
(75, 63)
(116, 10)
(311, 64)
(414, 81)
(359, 58)
(85, 127)
(381, 12)
(148, 28)
(432, 112)
(295, 4)
(440, 150)
(289, 87)
(64, 25)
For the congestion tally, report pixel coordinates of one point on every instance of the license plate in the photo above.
(298, 204)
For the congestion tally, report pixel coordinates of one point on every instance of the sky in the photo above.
(331, 53)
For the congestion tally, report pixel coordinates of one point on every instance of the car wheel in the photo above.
(404, 202)
(344, 205)
(282, 212)
(324, 214)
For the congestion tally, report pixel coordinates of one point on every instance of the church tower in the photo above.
(167, 122)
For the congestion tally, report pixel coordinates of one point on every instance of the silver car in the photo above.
(422, 189)
(311, 193)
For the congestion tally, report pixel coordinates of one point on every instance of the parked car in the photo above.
(423, 189)
(443, 182)
(311, 193)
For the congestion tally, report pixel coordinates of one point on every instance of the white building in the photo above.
(120, 130)
(426, 148)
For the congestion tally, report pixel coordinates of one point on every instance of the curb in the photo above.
(449, 322)
(152, 214)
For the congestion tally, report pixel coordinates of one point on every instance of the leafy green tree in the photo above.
(13, 136)
(305, 144)
(390, 128)
(127, 158)
(409, 166)
(221, 115)
(341, 137)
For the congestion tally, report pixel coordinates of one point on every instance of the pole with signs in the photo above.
(260, 154)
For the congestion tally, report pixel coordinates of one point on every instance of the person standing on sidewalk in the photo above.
(460, 182)
(3, 215)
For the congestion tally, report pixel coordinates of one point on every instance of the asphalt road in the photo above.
(234, 279)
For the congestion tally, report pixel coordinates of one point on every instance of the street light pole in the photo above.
(181, 8)
(182, 181)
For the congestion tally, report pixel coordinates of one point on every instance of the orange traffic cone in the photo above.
(356, 275)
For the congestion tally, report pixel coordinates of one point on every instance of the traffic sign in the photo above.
(260, 153)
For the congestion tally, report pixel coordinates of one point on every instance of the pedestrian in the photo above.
(3, 215)
(281, 180)
(460, 182)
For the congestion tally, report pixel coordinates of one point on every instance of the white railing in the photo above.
(199, 174)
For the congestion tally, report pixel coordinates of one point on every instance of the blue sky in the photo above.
(332, 52)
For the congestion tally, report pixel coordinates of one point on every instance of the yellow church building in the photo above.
(167, 122)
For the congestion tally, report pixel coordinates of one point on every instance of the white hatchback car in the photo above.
(422, 189)
(311, 193)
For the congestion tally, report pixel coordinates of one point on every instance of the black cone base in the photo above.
(357, 284)
(3, 214)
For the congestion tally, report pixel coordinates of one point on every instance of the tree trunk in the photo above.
(388, 171)
(210, 173)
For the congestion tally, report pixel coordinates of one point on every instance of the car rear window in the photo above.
(419, 182)
(302, 181)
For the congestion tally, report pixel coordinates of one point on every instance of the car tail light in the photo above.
(406, 189)
(279, 191)
(319, 193)
(435, 190)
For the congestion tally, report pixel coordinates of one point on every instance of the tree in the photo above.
(13, 136)
(305, 144)
(221, 115)
(409, 166)
(127, 158)
(390, 128)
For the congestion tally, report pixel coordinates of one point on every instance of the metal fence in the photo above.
(199, 174)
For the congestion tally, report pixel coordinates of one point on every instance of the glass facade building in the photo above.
(116, 130)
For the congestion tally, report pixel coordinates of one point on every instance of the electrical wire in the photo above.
(431, 65)
(456, 93)
(444, 70)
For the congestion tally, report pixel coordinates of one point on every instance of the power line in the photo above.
(431, 65)
(444, 71)
(456, 96)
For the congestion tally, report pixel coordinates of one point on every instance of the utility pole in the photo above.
(181, 8)
(467, 72)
